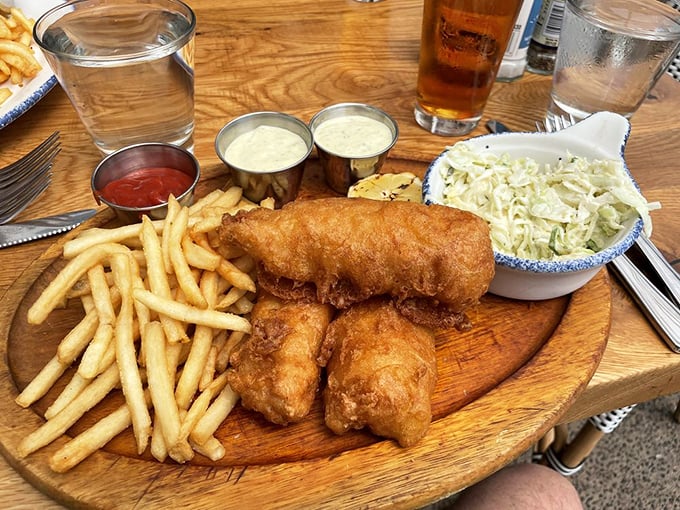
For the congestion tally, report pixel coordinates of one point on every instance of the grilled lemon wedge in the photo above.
(387, 187)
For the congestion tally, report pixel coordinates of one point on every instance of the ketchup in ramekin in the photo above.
(137, 180)
(146, 187)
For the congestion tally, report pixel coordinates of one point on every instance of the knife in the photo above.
(658, 309)
(32, 230)
(497, 127)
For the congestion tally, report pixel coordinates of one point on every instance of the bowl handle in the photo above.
(607, 130)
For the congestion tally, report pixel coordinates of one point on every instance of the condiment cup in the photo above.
(600, 136)
(258, 182)
(138, 157)
(341, 170)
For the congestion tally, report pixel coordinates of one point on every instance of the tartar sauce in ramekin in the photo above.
(353, 136)
(266, 149)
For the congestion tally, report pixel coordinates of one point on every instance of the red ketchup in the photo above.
(146, 187)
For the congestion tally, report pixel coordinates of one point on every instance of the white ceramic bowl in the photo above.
(601, 136)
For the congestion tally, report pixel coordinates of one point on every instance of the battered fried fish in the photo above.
(275, 370)
(381, 370)
(435, 261)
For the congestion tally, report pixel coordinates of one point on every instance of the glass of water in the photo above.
(611, 53)
(127, 67)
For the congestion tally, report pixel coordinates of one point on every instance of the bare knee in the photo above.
(521, 486)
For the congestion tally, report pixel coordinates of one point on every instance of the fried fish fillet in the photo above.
(435, 261)
(382, 371)
(275, 370)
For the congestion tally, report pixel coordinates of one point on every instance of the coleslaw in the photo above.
(544, 212)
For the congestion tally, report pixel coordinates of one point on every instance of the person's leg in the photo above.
(521, 487)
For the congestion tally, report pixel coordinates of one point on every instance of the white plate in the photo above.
(24, 97)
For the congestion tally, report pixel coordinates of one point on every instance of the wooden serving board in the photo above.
(500, 387)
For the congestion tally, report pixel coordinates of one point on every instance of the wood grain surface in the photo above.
(298, 57)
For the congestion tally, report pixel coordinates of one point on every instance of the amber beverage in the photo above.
(461, 48)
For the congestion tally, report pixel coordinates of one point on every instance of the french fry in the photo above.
(206, 224)
(87, 301)
(200, 257)
(160, 383)
(230, 298)
(95, 236)
(158, 279)
(209, 286)
(200, 406)
(179, 263)
(181, 451)
(208, 372)
(125, 353)
(191, 314)
(225, 352)
(78, 338)
(92, 439)
(73, 344)
(268, 203)
(20, 57)
(212, 448)
(22, 20)
(242, 306)
(42, 382)
(227, 251)
(5, 30)
(158, 448)
(229, 198)
(173, 211)
(193, 368)
(99, 287)
(142, 312)
(59, 424)
(56, 290)
(196, 208)
(95, 351)
(235, 276)
(70, 391)
(214, 415)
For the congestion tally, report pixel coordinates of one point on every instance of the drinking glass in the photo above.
(126, 66)
(461, 48)
(611, 53)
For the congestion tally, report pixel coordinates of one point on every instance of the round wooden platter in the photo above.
(500, 387)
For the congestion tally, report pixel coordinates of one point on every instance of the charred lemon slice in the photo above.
(402, 186)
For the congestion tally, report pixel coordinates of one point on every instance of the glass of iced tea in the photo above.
(461, 48)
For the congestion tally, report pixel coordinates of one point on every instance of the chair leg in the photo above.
(554, 439)
(676, 415)
(570, 458)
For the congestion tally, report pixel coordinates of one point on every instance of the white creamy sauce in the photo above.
(353, 136)
(266, 148)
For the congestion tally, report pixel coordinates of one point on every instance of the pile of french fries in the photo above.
(17, 61)
(165, 304)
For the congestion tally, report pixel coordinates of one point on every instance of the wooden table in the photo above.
(300, 56)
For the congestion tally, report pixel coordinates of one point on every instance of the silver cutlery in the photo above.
(668, 275)
(23, 181)
(26, 231)
(658, 309)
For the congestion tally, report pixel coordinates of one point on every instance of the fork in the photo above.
(24, 180)
(554, 123)
(661, 310)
